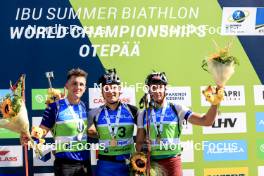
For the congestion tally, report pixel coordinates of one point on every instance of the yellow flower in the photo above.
(6, 108)
(223, 52)
(139, 162)
(214, 56)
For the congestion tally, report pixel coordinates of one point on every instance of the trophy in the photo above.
(53, 94)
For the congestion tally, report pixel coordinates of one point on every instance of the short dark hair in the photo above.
(76, 72)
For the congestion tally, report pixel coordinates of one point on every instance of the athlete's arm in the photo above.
(91, 130)
(207, 119)
(204, 120)
(140, 132)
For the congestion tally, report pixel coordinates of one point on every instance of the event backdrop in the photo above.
(136, 37)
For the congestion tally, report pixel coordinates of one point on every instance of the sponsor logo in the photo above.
(39, 97)
(96, 99)
(225, 150)
(260, 121)
(189, 172)
(179, 95)
(38, 162)
(225, 123)
(236, 171)
(11, 156)
(238, 16)
(259, 94)
(260, 170)
(188, 151)
(3, 153)
(228, 123)
(260, 19)
(5, 157)
(242, 21)
(260, 148)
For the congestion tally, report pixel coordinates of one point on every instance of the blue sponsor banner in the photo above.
(260, 121)
(260, 18)
(225, 150)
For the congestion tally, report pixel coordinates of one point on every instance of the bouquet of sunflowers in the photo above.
(14, 115)
(13, 110)
(221, 65)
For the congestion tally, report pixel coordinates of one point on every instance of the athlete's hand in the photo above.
(148, 143)
(24, 138)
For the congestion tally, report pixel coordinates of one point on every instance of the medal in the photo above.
(80, 130)
(158, 125)
(79, 136)
(113, 130)
(113, 142)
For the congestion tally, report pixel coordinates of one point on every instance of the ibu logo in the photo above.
(239, 16)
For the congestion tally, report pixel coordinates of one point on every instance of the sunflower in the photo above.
(139, 162)
(6, 108)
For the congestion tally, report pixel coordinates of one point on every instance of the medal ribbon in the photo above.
(80, 126)
(158, 125)
(112, 132)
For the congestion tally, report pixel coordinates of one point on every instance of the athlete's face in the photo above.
(157, 92)
(111, 93)
(76, 86)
